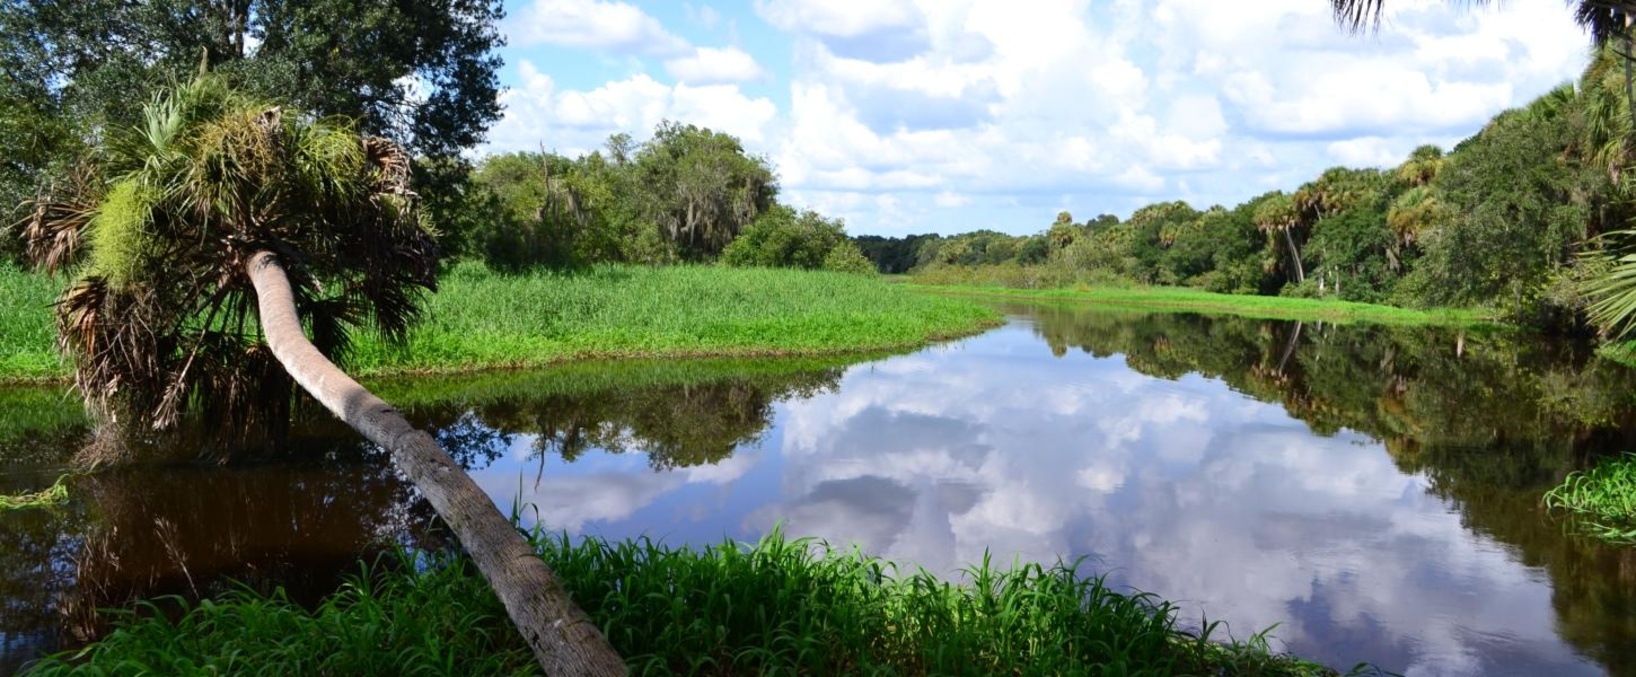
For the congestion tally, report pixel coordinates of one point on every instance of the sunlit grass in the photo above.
(1183, 299)
(389, 620)
(482, 320)
(780, 606)
(27, 337)
(1603, 498)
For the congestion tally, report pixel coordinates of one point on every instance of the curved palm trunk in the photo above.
(1295, 255)
(563, 638)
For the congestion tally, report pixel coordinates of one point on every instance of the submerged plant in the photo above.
(1604, 497)
(56, 494)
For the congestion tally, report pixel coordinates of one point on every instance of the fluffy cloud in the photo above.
(593, 24)
(1127, 102)
(1098, 107)
(576, 121)
(715, 65)
(881, 30)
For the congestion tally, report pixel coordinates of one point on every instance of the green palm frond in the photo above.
(1613, 294)
(161, 320)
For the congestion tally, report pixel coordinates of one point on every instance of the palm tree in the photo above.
(1277, 212)
(221, 214)
(1422, 166)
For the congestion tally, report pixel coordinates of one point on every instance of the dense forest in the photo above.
(1524, 217)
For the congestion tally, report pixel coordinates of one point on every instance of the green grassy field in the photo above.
(780, 606)
(1180, 299)
(27, 337)
(481, 320)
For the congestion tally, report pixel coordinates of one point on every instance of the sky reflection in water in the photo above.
(1181, 487)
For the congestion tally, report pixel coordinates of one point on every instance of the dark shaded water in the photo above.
(1372, 491)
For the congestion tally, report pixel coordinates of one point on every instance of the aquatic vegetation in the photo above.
(1603, 498)
(56, 494)
(779, 606)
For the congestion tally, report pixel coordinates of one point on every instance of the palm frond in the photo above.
(160, 323)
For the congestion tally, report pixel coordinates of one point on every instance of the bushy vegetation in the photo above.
(1603, 499)
(784, 238)
(681, 196)
(779, 606)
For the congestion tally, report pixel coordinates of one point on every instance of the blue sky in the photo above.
(912, 116)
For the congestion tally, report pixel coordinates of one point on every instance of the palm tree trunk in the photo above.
(563, 638)
(1295, 254)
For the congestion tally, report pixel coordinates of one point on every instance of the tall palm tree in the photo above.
(222, 215)
(1277, 213)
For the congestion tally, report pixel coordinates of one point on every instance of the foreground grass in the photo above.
(481, 320)
(779, 607)
(1193, 300)
(1602, 498)
(27, 337)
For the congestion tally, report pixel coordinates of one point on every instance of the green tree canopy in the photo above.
(422, 74)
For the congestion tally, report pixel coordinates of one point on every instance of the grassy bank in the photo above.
(481, 320)
(779, 607)
(27, 337)
(1181, 299)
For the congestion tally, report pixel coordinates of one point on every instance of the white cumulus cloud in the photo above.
(593, 24)
(715, 65)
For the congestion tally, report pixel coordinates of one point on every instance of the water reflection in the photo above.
(1373, 491)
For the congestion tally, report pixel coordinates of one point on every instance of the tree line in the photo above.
(687, 195)
(422, 75)
(1525, 217)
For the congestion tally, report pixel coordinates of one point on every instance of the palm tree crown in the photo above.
(159, 319)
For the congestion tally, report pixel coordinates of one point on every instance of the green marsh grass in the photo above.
(1602, 498)
(596, 376)
(1181, 299)
(483, 320)
(396, 619)
(27, 338)
(781, 606)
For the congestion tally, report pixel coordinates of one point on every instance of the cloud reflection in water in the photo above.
(1181, 487)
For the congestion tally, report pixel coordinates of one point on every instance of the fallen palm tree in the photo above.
(206, 246)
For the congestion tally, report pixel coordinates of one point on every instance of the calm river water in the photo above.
(1373, 492)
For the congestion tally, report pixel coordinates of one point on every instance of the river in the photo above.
(1370, 493)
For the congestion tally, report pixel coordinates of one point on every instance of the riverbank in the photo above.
(1181, 299)
(780, 606)
(482, 320)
